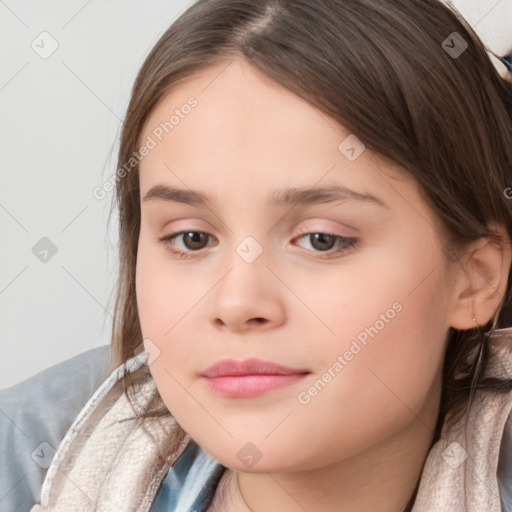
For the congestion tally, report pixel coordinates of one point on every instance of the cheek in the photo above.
(384, 382)
(164, 293)
(159, 298)
(163, 299)
(168, 301)
(402, 359)
(389, 323)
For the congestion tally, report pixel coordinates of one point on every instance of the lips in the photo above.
(231, 367)
(250, 378)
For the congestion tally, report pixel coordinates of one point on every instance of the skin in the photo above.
(360, 443)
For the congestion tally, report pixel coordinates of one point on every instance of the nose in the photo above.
(249, 297)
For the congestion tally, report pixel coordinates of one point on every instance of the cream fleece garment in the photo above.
(107, 462)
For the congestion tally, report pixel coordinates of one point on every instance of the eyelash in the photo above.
(350, 243)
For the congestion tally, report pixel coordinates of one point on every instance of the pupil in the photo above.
(323, 240)
(195, 238)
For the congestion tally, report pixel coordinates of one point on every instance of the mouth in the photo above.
(250, 378)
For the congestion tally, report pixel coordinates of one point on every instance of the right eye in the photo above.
(192, 241)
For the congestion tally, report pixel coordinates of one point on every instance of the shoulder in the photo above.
(34, 417)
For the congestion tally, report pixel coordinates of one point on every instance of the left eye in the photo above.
(325, 242)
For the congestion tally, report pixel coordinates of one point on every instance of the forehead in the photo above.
(237, 102)
(248, 134)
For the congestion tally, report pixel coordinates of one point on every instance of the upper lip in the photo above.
(253, 366)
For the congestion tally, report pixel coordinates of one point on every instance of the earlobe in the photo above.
(483, 282)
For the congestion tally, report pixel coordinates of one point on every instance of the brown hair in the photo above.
(378, 67)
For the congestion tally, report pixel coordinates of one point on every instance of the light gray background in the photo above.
(59, 126)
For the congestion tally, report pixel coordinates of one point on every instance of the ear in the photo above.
(483, 281)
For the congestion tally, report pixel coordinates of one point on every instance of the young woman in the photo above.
(314, 305)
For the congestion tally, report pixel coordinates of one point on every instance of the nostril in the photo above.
(258, 320)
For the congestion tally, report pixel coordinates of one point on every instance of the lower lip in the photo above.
(251, 385)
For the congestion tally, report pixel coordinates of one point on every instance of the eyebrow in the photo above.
(287, 197)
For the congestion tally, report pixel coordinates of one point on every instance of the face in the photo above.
(348, 289)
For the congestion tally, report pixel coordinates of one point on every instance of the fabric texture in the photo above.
(108, 462)
(34, 417)
(505, 468)
(460, 473)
